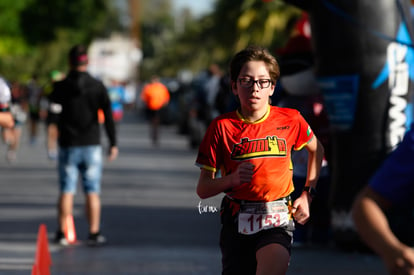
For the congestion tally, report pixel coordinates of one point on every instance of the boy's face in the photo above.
(254, 99)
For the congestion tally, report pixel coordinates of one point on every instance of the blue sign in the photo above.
(340, 97)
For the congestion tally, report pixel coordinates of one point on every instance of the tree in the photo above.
(41, 19)
(36, 34)
(215, 37)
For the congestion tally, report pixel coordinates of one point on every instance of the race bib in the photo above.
(254, 217)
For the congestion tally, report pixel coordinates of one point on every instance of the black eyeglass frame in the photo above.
(253, 82)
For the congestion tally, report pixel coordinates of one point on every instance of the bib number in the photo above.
(254, 217)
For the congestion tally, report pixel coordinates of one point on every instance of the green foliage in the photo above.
(36, 34)
(40, 18)
(215, 37)
(9, 19)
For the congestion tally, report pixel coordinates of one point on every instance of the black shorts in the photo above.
(152, 114)
(34, 116)
(239, 250)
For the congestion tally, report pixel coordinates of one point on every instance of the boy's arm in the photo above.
(208, 185)
(301, 206)
(315, 157)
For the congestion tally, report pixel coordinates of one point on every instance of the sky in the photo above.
(198, 7)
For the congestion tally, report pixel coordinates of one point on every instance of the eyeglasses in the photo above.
(261, 83)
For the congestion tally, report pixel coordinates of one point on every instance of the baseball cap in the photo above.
(78, 55)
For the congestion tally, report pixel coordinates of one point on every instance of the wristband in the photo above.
(311, 191)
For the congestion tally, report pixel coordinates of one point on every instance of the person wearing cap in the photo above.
(74, 105)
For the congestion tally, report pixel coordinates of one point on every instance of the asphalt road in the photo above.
(151, 216)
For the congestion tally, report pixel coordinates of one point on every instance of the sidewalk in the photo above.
(150, 216)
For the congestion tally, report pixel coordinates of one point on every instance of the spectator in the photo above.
(18, 109)
(34, 93)
(117, 96)
(51, 127)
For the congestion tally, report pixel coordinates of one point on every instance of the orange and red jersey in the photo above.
(155, 95)
(266, 143)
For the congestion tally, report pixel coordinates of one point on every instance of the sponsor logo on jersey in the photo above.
(283, 128)
(259, 148)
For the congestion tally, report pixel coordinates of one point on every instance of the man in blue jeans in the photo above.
(74, 105)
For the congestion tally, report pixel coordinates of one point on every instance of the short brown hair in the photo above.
(254, 53)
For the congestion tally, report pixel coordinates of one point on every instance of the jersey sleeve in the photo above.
(394, 178)
(208, 149)
(305, 133)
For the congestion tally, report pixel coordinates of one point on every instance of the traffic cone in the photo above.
(35, 270)
(70, 231)
(43, 261)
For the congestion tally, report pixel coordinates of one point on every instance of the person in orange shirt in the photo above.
(251, 147)
(155, 95)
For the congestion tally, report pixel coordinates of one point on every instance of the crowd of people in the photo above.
(28, 106)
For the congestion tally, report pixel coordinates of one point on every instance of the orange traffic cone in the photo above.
(70, 231)
(43, 261)
(35, 270)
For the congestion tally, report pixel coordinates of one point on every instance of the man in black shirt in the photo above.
(74, 105)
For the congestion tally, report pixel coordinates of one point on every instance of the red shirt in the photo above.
(266, 143)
